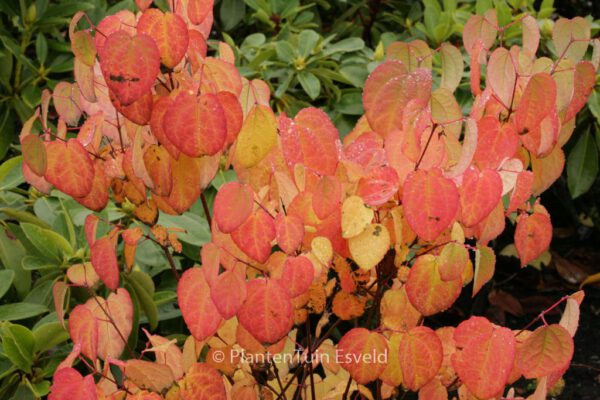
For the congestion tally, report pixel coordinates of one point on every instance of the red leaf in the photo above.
(486, 357)
(198, 10)
(430, 203)
(97, 198)
(538, 100)
(363, 354)
(130, 65)
(228, 292)
(68, 384)
(267, 311)
(379, 186)
(494, 142)
(255, 235)
(90, 227)
(479, 194)
(532, 236)
(327, 196)
(584, 81)
(233, 205)
(233, 114)
(289, 231)
(170, 33)
(196, 125)
(104, 260)
(521, 192)
(297, 276)
(199, 311)
(420, 355)
(547, 350)
(69, 167)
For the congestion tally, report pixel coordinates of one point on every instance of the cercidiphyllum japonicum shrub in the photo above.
(373, 229)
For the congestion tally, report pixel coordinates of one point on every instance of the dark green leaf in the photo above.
(582, 165)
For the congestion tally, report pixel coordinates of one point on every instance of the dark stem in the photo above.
(433, 128)
(347, 390)
(206, 210)
(171, 261)
(310, 365)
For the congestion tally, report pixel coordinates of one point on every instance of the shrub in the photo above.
(326, 258)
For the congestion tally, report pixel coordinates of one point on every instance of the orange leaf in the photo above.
(199, 311)
(67, 103)
(538, 100)
(532, 236)
(297, 275)
(233, 114)
(521, 192)
(170, 33)
(83, 329)
(584, 81)
(485, 265)
(83, 275)
(255, 235)
(327, 196)
(69, 167)
(104, 260)
(452, 261)
(233, 205)
(198, 10)
(430, 203)
(97, 198)
(421, 355)
(59, 293)
(159, 109)
(495, 143)
(547, 350)
(501, 75)
(425, 288)
(363, 354)
(479, 194)
(196, 125)
(397, 313)
(148, 375)
(158, 164)
(480, 27)
(130, 64)
(34, 154)
(486, 357)
(186, 183)
(267, 311)
(202, 382)
(379, 186)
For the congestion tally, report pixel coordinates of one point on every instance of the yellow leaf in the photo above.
(257, 137)
(322, 249)
(355, 217)
(369, 248)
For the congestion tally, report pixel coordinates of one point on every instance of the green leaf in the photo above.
(33, 263)
(285, 52)
(232, 12)
(6, 279)
(49, 335)
(11, 254)
(143, 286)
(307, 40)
(594, 104)
(582, 165)
(19, 345)
(310, 83)
(196, 228)
(41, 48)
(10, 173)
(18, 311)
(24, 216)
(49, 243)
(345, 45)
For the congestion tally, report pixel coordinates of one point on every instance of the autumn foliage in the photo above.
(386, 227)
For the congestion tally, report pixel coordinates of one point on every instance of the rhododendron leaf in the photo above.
(370, 246)
(426, 290)
(66, 102)
(327, 196)
(379, 186)
(196, 125)
(199, 311)
(363, 354)
(547, 350)
(537, 101)
(297, 275)
(130, 64)
(233, 205)
(485, 265)
(289, 231)
(565, 31)
(83, 329)
(430, 203)
(420, 355)
(202, 382)
(69, 167)
(34, 154)
(104, 260)
(148, 375)
(486, 357)
(452, 261)
(69, 384)
(267, 311)
(228, 292)
(257, 136)
(170, 33)
(255, 235)
(479, 194)
(355, 216)
(452, 66)
(532, 236)
(502, 75)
